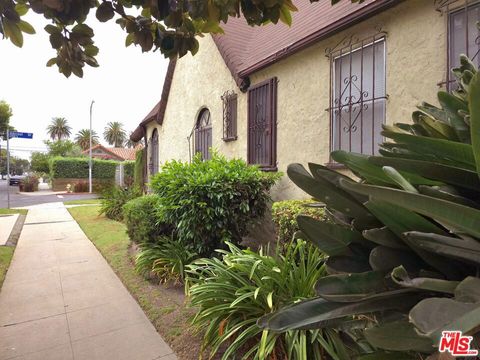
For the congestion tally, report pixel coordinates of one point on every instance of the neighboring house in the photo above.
(119, 154)
(275, 95)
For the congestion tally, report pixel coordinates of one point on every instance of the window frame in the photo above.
(203, 130)
(230, 116)
(272, 84)
(346, 48)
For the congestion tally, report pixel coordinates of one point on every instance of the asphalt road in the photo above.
(20, 200)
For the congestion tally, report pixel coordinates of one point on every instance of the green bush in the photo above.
(141, 219)
(77, 168)
(29, 183)
(165, 260)
(129, 172)
(284, 215)
(210, 202)
(404, 240)
(114, 199)
(231, 293)
(139, 168)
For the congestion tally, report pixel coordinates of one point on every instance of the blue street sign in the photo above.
(21, 135)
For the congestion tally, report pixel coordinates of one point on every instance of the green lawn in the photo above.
(6, 253)
(83, 202)
(164, 305)
(13, 211)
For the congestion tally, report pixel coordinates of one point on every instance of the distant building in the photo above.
(119, 154)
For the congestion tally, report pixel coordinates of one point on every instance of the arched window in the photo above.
(154, 153)
(203, 134)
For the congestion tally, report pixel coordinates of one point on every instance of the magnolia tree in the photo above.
(169, 26)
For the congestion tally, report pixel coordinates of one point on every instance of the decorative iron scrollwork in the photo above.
(229, 99)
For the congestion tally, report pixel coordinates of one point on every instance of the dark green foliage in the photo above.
(165, 260)
(128, 172)
(284, 215)
(139, 168)
(404, 241)
(233, 291)
(114, 199)
(142, 221)
(77, 168)
(210, 202)
(39, 162)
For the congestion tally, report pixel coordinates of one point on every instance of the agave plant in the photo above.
(403, 242)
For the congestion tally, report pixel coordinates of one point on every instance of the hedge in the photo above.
(65, 168)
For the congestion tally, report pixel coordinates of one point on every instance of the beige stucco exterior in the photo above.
(415, 64)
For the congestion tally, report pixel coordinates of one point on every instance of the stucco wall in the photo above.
(415, 63)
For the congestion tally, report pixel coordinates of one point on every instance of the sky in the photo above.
(125, 87)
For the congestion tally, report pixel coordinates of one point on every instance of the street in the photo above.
(21, 199)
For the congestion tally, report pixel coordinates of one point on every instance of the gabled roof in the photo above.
(119, 153)
(246, 49)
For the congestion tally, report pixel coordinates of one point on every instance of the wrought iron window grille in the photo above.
(357, 93)
(463, 36)
(229, 99)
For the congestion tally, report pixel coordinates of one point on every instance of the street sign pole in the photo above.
(8, 168)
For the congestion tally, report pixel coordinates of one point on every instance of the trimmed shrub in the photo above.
(284, 215)
(29, 183)
(114, 200)
(210, 202)
(139, 168)
(142, 221)
(77, 168)
(129, 172)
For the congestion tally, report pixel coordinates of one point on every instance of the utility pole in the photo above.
(90, 187)
(8, 168)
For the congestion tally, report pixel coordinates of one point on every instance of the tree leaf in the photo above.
(26, 27)
(104, 11)
(21, 9)
(12, 32)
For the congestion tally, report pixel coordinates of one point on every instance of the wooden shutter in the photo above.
(262, 124)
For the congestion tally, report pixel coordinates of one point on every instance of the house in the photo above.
(275, 95)
(119, 154)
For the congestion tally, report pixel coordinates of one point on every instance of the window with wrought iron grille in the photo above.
(358, 95)
(463, 34)
(229, 99)
(203, 134)
(262, 124)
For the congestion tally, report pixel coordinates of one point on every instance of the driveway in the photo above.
(18, 199)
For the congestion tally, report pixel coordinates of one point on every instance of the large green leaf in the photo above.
(461, 249)
(452, 105)
(457, 217)
(474, 107)
(434, 315)
(385, 355)
(468, 290)
(347, 264)
(432, 170)
(384, 259)
(351, 287)
(400, 276)
(443, 149)
(447, 193)
(398, 336)
(315, 313)
(324, 191)
(374, 174)
(384, 236)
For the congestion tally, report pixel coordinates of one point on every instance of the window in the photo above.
(463, 37)
(262, 124)
(229, 99)
(203, 134)
(154, 163)
(358, 97)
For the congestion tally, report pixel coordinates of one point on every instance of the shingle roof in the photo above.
(120, 153)
(246, 49)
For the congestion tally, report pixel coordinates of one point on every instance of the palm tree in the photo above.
(83, 138)
(130, 143)
(114, 134)
(59, 129)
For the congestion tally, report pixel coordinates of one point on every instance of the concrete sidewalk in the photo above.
(61, 300)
